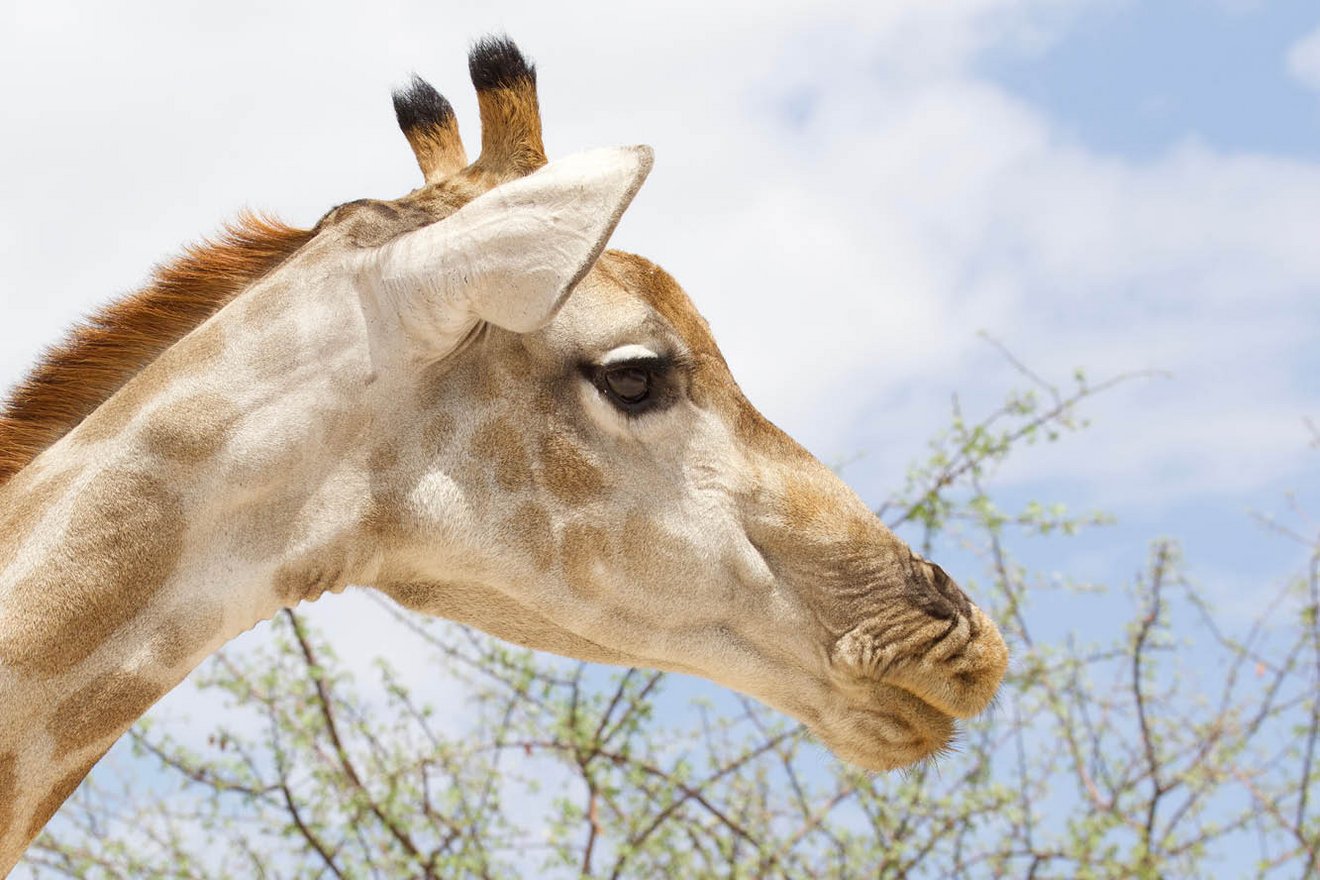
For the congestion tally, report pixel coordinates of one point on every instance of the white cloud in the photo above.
(937, 208)
(1303, 60)
(845, 263)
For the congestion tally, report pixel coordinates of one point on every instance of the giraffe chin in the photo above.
(906, 731)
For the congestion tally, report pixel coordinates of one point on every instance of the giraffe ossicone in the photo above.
(460, 399)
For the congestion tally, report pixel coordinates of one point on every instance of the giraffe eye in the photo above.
(629, 385)
(633, 385)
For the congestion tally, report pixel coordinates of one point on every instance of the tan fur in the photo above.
(510, 134)
(500, 615)
(191, 430)
(438, 148)
(8, 788)
(125, 530)
(316, 573)
(57, 795)
(100, 709)
(584, 547)
(498, 443)
(529, 529)
(647, 551)
(22, 503)
(181, 638)
(439, 430)
(568, 471)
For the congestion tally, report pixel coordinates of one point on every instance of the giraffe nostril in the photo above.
(945, 599)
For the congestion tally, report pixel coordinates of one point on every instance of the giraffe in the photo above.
(461, 399)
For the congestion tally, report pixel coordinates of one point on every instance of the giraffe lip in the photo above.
(892, 729)
(954, 669)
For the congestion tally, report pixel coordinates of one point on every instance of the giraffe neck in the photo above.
(224, 482)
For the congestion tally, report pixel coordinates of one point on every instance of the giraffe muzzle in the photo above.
(935, 645)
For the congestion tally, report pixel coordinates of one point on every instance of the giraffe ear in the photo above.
(512, 255)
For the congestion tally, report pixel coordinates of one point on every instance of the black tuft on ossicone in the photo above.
(419, 105)
(496, 63)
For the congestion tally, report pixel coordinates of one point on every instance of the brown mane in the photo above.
(101, 353)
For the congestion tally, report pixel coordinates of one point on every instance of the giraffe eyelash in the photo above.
(636, 385)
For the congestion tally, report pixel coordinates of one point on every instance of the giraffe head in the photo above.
(566, 461)
(461, 398)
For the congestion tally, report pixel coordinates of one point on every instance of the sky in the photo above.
(853, 193)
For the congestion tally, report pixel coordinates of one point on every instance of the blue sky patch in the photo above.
(1137, 79)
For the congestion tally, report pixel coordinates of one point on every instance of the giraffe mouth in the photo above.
(898, 729)
(954, 666)
(900, 689)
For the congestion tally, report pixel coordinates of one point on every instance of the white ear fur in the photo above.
(512, 255)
